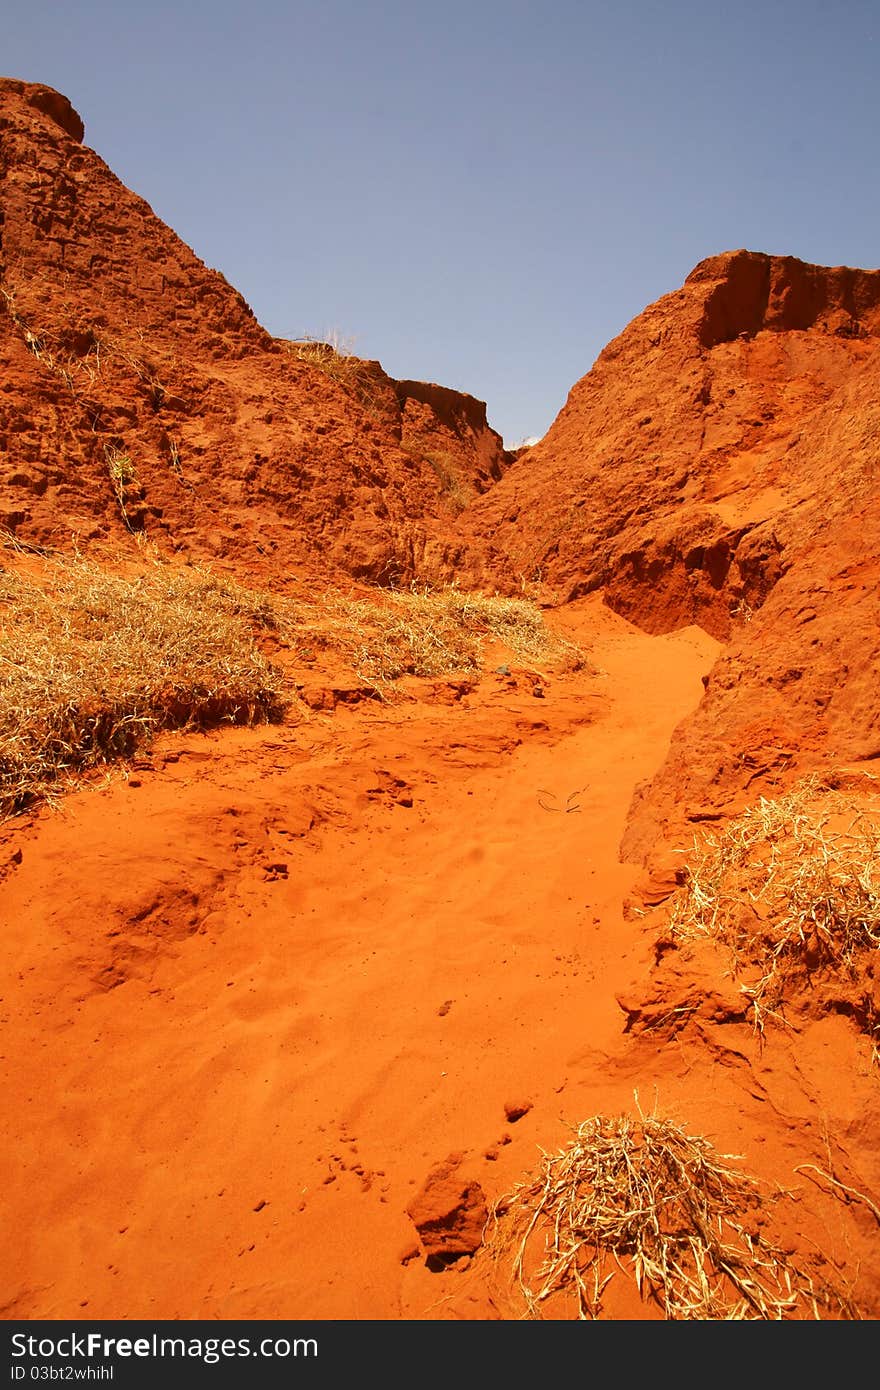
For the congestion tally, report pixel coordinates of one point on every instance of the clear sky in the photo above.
(483, 193)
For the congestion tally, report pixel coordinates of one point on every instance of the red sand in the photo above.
(261, 988)
(192, 1032)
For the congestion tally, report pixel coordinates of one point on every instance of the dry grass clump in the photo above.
(458, 491)
(641, 1197)
(456, 487)
(336, 361)
(92, 664)
(123, 475)
(792, 888)
(433, 632)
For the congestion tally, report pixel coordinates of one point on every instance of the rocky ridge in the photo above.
(142, 397)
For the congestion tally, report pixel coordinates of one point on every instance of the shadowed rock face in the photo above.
(750, 293)
(797, 688)
(141, 394)
(47, 100)
(663, 477)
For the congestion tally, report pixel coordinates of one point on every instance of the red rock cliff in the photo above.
(142, 396)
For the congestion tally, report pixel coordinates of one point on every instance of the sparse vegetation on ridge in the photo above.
(638, 1196)
(337, 361)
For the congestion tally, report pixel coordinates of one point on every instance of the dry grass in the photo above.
(459, 491)
(431, 632)
(336, 361)
(792, 888)
(93, 664)
(77, 352)
(457, 488)
(637, 1195)
(123, 476)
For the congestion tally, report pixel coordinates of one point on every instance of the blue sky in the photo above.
(484, 193)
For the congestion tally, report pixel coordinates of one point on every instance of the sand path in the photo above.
(257, 991)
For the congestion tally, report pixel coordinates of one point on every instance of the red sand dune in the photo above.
(286, 1010)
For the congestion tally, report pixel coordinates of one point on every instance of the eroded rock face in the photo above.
(797, 688)
(142, 396)
(719, 466)
(668, 479)
(751, 293)
(47, 100)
